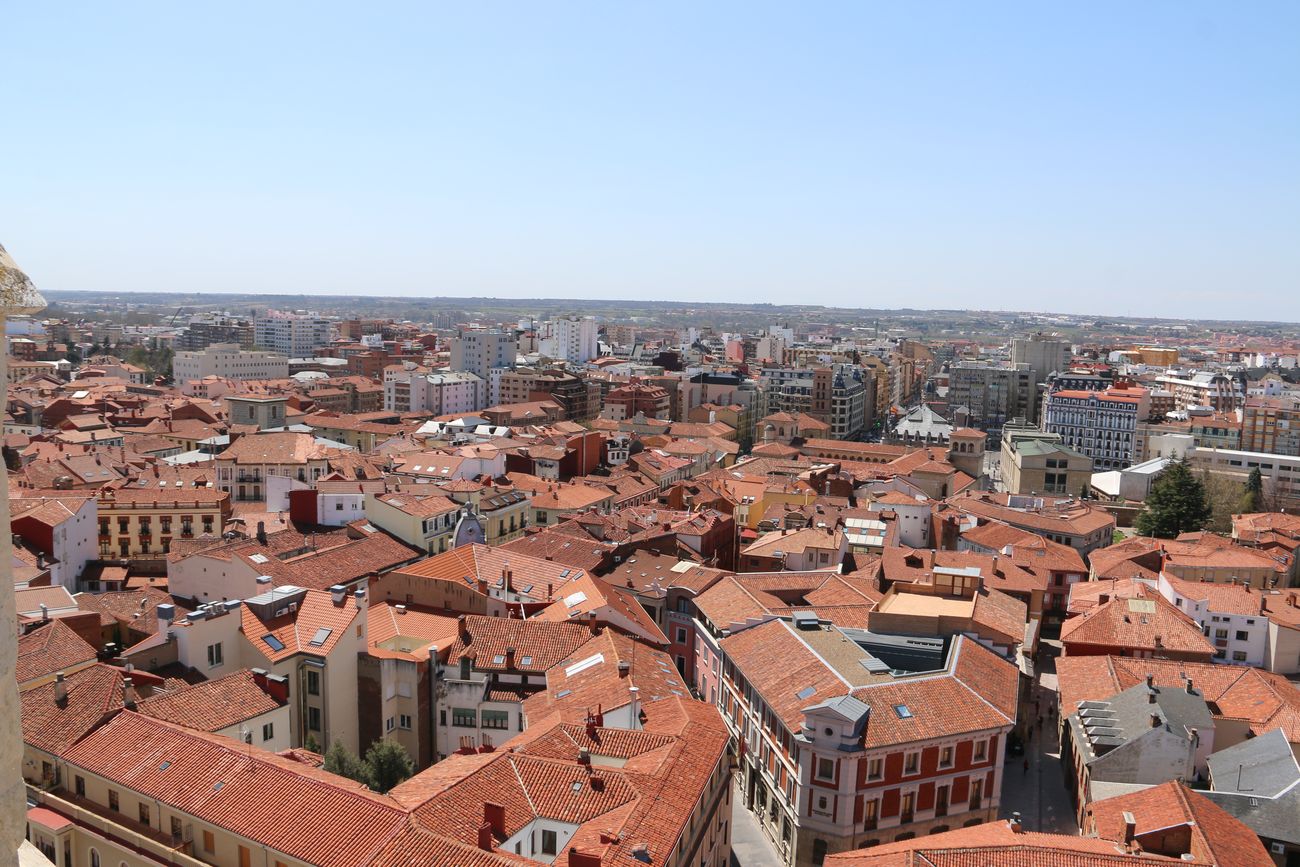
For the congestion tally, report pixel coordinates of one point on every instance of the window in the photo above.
(1221, 633)
(112, 801)
(871, 815)
(496, 719)
(389, 723)
(981, 751)
(681, 635)
(268, 731)
(176, 827)
(1239, 656)
(79, 786)
(549, 843)
(825, 769)
(912, 763)
(313, 718)
(245, 857)
(464, 717)
(215, 656)
(404, 721)
(1242, 635)
(313, 682)
(94, 858)
(875, 769)
(945, 757)
(144, 813)
(908, 809)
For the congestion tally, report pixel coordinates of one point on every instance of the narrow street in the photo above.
(1038, 792)
(749, 846)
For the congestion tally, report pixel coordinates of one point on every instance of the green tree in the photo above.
(342, 761)
(1177, 504)
(1223, 495)
(311, 745)
(388, 764)
(1253, 499)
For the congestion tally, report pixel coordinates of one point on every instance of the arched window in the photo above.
(94, 858)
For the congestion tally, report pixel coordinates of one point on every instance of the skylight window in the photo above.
(499, 659)
(273, 642)
(527, 660)
(903, 711)
(804, 693)
(583, 665)
(259, 558)
(575, 599)
(322, 635)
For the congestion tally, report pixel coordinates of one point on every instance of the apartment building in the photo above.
(143, 522)
(1034, 462)
(570, 338)
(1099, 424)
(426, 521)
(578, 398)
(987, 396)
(291, 334)
(61, 527)
(228, 361)
(481, 352)
(854, 739)
(409, 387)
(1066, 520)
(1205, 388)
(242, 469)
(1271, 424)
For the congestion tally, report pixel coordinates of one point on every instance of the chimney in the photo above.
(462, 629)
(583, 859)
(624, 668)
(399, 608)
(259, 677)
(359, 597)
(1155, 720)
(635, 706)
(1151, 696)
(128, 694)
(261, 532)
(482, 587)
(60, 690)
(1190, 689)
(494, 816)
(1130, 828)
(1015, 823)
(45, 613)
(584, 754)
(510, 657)
(338, 593)
(1151, 680)
(166, 615)
(277, 687)
(485, 841)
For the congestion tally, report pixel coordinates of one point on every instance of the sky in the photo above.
(1112, 158)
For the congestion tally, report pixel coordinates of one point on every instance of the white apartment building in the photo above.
(1100, 424)
(571, 339)
(292, 334)
(228, 361)
(411, 388)
(482, 351)
(1230, 615)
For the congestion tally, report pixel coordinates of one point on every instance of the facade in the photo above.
(425, 521)
(143, 523)
(410, 388)
(1271, 424)
(290, 334)
(229, 361)
(832, 761)
(1045, 354)
(1100, 424)
(990, 395)
(60, 527)
(571, 339)
(1039, 464)
(579, 399)
(481, 352)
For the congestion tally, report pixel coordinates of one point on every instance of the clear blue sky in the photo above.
(1124, 158)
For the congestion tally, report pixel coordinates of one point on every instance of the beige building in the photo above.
(227, 360)
(143, 522)
(1034, 462)
(427, 521)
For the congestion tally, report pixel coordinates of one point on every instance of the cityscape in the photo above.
(615, 435)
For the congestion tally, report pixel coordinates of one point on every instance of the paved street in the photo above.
(1039, 793)
(749, 847)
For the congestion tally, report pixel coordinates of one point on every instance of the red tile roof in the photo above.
(51, 648)
(285, 805)
(94, 695)
(213, 705)
(1149, 624)
(296, 629)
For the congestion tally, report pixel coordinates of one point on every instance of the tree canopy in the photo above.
(1177, 504)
